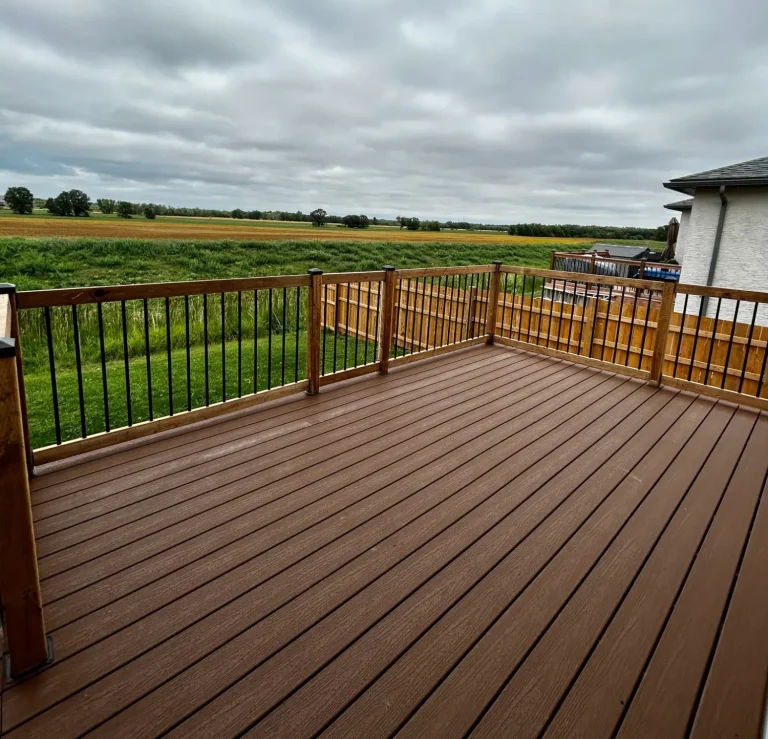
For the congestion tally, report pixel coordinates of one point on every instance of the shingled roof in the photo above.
(680, 205)
(753, 172)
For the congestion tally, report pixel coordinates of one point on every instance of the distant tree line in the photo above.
(76, 203)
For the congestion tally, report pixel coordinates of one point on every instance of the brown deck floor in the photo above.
(491, 543)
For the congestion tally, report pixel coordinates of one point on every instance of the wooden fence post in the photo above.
(641, 276)
(593, 264)
(19, 578)
(668, 293)
(314, 330)
(493, 303)
(387, 312)
(552, 259)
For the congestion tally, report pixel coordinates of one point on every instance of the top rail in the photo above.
(583, 277)
(751, 296)
(444, 271)
(115, 293)
(343, 278)
(605, 257)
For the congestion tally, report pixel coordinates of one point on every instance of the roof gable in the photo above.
(752, 172)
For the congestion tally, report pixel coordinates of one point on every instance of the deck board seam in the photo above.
(285, 496)
(473, 368)
(468, 385)
(594, 564)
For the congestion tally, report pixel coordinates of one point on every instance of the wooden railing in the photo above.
(195, 350)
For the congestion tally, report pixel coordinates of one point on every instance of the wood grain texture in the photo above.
(516, 544)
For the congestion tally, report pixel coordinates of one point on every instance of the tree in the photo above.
(237, 213)
(50, 206)
(124, 209)
(80, 203)
(318, 216)
(19, 200)
(106, 205)
(253, 215)
(150, 213)
(353, 221)
(430, 226)
(412, 224)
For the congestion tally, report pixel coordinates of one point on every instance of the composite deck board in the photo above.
(489, 543)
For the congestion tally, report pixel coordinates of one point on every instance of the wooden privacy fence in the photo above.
(195, 350)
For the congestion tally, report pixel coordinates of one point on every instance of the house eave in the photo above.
(688, 187)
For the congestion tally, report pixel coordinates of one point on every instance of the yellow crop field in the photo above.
(215, 230)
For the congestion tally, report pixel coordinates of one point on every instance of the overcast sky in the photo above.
(487, 110)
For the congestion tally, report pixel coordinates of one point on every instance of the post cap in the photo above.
(498, 262)
(6, 288)
(388, 268)
(315, 271)
(7, 348)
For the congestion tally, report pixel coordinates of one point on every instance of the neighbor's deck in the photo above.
(492, 543)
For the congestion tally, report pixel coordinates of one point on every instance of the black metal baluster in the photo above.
(429, 310)
(460, 313)
(405, 327)
(522, 311)
(504, 304)
(79, 367)
(607, 321)
(762, 373)
(583, 313)
(702, 308)
(376, 332)
(486, 299)
(285, 320)
(103, 355)
(446, 317)
(239, 344)
(189, 357)
(631, 330)
(205, 348)
(52, 366)
(437, 312)
(551, 311)
(269, 344)
(594, 322)
(458, 303)
(681, 335)
(512, 309)
(149, 361)
(127, 369)
(255, 341)
(747, 347)
(336, 324)
(418, 311)
(223, 351)
(357, 320)
(530, 314)
(367, 323)
(570, 317)
(296, 346)
(346, 326)
(730, 344)
(645, 331)
(168, 354)
(618, 326)
(712, 343)
(325, 325)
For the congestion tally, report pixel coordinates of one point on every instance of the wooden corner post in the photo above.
(314, 329)
(493, 303)
(19, 578)
(668, 293)
(387, 313)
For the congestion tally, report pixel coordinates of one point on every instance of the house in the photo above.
(617, 251)
(723, 237)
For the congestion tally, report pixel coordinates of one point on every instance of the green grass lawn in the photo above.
(40, 394)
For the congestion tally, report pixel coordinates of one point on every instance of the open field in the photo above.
(214, 229)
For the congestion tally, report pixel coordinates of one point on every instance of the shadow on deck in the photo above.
(491, 542)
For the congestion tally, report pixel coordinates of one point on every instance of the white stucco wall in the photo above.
(685, 218)
(742, 262)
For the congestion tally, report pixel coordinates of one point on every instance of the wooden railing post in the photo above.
(552, 259)
(668, 293)
(19, 578)
(593, 264)
(314, 330)
(493, 302)
(387, 312)
(641, 276)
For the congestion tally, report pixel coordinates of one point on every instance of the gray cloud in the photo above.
(493, 110)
